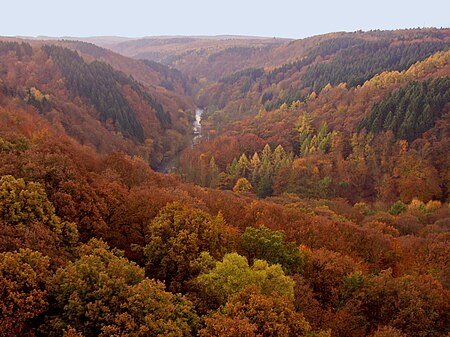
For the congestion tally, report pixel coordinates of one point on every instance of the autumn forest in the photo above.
(189, 186)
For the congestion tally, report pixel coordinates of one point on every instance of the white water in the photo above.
(170, 164)
(197, 126)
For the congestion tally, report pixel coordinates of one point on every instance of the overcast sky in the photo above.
(280, 18)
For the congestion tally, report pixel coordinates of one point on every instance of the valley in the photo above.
(197, 126)
(226, 185)
(171, 164)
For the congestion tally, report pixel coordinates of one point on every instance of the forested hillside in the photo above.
(352, 58)
(94, 102)
(384, 140)
(314, 201)
(150, 73)
(411, 111)
(315, 261)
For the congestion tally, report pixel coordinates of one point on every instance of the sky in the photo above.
(278, 18)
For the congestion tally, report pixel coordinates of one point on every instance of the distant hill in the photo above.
(213, 57)
(209, 57)
(308, 65)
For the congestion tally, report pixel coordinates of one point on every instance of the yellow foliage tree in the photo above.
(242, 185)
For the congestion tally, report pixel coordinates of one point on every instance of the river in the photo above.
(170, 164)
(197, 126)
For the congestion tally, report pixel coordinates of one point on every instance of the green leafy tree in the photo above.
(397, 208)
(90, 291)
(265, 244)
(176, 237)
(264, 188)
(233, 274)
(104, 294)
(234, 170)
(242, 185)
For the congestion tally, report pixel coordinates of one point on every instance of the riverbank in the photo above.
(171, 164)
